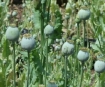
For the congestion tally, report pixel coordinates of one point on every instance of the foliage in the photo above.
(47, 62)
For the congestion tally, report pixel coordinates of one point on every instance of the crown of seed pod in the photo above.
(27, 42)
(83, 55)
(48, 30)
(52, 84)
(99, 66)
(67, 48)
(83, 14)
(12, 33)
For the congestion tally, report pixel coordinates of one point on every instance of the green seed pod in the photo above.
(8, 15)
(52, 84)
(68, 8)
(99, 66)
(67, 48)
(12, 33)
(2, 4)
(27, 42)
(57, 40)
(83, 55)
(78, 20)
(23, 5)
(67, 16)
(42, 1)
(14, 13)
(83, 14)
(48, 30)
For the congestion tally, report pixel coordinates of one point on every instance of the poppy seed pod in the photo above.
(27, 42)
(48, 30)
(83, 14)
(67, 48)
(2, 4)
(14, 13)
(52, 84)
(99, 66)
(83, 55)
(12, 33)
(23, 5)
(8, 15)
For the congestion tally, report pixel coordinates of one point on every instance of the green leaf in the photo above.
(36, 20)
(6, 49)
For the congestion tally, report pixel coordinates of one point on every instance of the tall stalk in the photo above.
(42, 38)
(28, 73)
(48, 17)
(46, 61)
(81, 74)
(14, 75)
(65, 65)
(84, 31)
(78, 31)
(77, 47)
(99, 84)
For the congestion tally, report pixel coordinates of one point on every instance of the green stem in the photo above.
(42, 41)
(48, 17)
(99, 80)
(81, 75)
(77, 47)
(84, 33)
(78, 32)
(14, 75)
(28, 77)
(67, 27)
(46, 61)
(65, 71)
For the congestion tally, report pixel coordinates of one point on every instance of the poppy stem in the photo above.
(81, 74)
(14, 75)
(99, 80)
(65, 65)
(28, 77)
(84, 31)
(46, 60)
(78, 32)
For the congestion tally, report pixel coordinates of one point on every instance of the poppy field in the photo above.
(52, 43)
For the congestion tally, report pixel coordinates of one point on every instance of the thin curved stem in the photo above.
(14, 75)
(81, 75)
(28, 77)
(65, 71)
